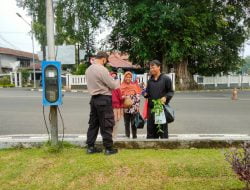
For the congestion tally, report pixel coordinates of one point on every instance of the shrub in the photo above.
(81, 69)
(240, 162)
(25, 76)
(5, 81)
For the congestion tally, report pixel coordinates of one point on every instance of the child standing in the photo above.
(117, 104)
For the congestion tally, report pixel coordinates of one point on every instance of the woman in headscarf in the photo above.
(131, 93)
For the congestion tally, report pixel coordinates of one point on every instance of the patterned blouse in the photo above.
(135, 106)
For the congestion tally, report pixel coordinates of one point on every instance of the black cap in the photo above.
(101, 54)
(155, 62)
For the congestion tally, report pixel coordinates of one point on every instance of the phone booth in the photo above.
(51, 83)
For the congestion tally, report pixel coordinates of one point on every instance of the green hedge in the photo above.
(7, 85)
(5, 81)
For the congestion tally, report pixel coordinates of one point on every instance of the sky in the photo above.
(15, 33)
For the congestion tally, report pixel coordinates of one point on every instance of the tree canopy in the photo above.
(206, 34)
(75, 21)
(36, 9)
(200, 36)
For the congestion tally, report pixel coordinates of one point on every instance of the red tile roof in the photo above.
(17, 53)
(37, 66)
(117, 60)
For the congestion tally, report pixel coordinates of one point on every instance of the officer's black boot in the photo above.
(93, 149)
(110, 151)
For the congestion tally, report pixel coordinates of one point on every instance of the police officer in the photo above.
(100, 84)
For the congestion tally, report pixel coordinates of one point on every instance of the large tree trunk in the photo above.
(184, 79)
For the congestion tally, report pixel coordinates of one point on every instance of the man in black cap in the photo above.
(159, 86)
(100, 84)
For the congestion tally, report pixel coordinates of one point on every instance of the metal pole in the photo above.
(50, 30)
(243, 52)
(78, 53)
(33, 51)
(51, 57)
(33, 54)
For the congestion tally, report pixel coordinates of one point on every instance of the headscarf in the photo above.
(131, 88)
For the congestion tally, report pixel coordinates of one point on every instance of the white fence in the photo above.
(223, 81)
(80, 80)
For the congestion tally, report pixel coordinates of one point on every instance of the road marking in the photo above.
(122, 136)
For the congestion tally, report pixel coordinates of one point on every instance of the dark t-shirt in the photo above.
(156, 89)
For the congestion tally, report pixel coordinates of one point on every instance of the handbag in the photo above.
(139, 121)
(170, 114)
(145, 110)
(127, 102)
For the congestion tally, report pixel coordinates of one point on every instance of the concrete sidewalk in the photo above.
(174, 141)
(177, 91)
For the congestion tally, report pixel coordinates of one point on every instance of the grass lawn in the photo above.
(201, 169)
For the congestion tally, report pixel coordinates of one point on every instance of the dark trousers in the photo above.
(152, 130)
(101, 116)
(129, 120)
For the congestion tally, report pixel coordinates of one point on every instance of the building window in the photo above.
(24, 63)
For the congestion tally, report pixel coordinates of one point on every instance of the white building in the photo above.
(11, 57)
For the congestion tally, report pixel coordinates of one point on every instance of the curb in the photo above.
(74, 91)
(186, 91)
(7, 87)
(174, 141)
(179, 92)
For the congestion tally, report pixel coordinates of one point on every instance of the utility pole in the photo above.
(51, 57)
(33, 54)
(243, 52)
(33, 51)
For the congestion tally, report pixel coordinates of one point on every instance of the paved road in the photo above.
(196, 113)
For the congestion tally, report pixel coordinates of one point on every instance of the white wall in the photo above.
(6, 59)
(226, 80)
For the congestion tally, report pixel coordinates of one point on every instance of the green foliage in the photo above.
(5, 81)
(76, 22)
(72, 168)
(81, 69)
(158, 109)
(109, 68)
(7, 85)
(240, 162)
(246, 65)
(37, 10)
(207, 33)
(48, 147)
(25, 75)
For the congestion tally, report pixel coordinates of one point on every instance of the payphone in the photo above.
(51, 83)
